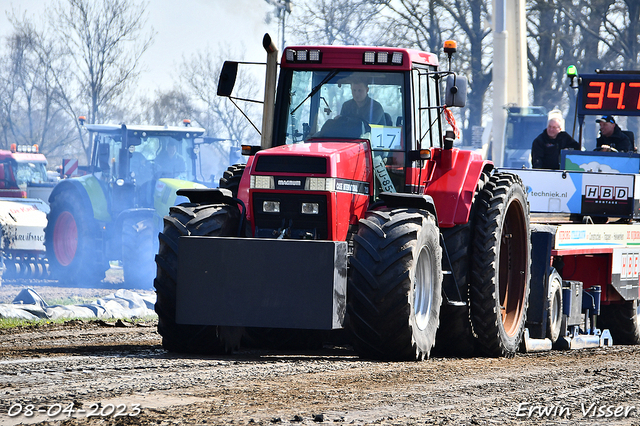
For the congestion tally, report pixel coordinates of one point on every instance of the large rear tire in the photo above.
(623, 322)
(501, 263)
(73, 243)
(139, 246)
(455, 335)
(190, 219)
(395, 285)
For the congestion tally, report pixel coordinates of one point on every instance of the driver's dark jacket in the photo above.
(617, 140)
(371, 111)
(545, 152)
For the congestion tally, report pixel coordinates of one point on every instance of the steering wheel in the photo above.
(603, 147)
(353, 121)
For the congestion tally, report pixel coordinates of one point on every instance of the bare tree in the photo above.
(589, 34)
(30, 110)
(104, 42)
(464, 20)
(342, 22)
(200, 73)
(169, 107)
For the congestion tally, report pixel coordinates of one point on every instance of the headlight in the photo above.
(262, 182)
(310, 208)
(319, 184)
(271, 206)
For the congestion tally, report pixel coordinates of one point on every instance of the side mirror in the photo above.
(227, 78)
(456, 91)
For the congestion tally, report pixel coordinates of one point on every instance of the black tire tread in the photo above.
(379, 306)
(622, 321)
(231, 178)
(455, 335)
(485, 315)
(187, 219)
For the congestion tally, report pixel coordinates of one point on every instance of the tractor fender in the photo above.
(453, 187)
(207, 195)
(89, 191)
(398, 200)
(165, 194)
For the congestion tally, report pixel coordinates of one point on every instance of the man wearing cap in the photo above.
(611, 136)
(545, 150)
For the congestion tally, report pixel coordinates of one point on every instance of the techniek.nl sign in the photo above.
(598, 194)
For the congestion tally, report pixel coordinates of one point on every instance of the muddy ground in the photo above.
(99, 373)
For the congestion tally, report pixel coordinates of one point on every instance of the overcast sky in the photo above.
(182, 28)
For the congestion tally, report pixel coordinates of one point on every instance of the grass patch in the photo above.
(71, 300)
(18, 322)
(6, 323)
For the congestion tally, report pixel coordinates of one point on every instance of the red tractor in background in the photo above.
(362, 218)
(23, 173)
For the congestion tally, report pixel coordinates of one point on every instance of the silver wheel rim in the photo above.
(555, 311)
(423, 291)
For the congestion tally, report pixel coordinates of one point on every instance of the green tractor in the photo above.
(115, 212)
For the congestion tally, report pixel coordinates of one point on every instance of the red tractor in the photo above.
(355, 213)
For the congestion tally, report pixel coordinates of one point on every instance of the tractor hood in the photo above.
(347, 160)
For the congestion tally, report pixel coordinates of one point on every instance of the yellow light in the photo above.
(450, 47)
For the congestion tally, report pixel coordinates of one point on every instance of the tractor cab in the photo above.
(386, 99)
(132, 159)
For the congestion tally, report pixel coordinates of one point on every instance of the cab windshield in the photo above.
(336, 104)
(150, 157)
(30, 173)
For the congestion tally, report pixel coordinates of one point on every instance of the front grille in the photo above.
(291, 164)
(301, 225)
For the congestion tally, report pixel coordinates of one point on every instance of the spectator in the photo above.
(611, 136)
(545, 150)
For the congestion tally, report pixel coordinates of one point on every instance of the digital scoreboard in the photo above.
(604, 94)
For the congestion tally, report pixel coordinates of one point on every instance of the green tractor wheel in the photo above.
(72, 240)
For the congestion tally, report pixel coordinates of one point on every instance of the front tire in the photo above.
(216, 220)
(554, 308)
(500, 270)
(138, 249)
(73, 243)
(395, 285)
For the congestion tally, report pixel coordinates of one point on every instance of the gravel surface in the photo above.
(120, 375)
(102, 373)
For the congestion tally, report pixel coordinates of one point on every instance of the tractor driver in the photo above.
(169, 162)
(362, 106)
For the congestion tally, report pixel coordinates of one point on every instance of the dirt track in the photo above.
(102, 368)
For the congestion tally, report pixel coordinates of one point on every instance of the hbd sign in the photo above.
(595, 192)
(607, 195)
